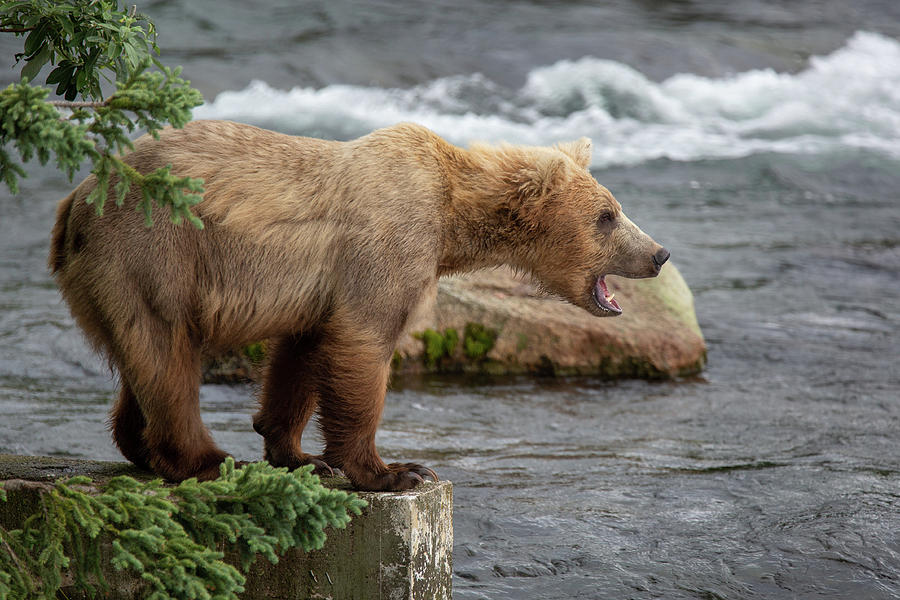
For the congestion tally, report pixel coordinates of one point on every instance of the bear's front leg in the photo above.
(351, 399)
(289, 398)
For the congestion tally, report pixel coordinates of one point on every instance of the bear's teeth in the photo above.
(610, 297)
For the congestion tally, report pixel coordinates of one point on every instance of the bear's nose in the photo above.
(660, 258)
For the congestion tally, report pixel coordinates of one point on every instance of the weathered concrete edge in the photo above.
(399, 548)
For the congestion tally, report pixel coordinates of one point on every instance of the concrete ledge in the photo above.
(399, 548)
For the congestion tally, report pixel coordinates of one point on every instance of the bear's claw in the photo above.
(294, 461)
(398, 477)
(419, 470)
(320, 467)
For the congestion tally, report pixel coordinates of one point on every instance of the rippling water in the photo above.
(760, 142)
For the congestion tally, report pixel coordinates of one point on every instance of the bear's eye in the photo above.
(605, 217)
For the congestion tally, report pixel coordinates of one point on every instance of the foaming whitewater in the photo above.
(847, 100)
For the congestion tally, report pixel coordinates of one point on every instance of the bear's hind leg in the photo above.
(162, 365)
(127, 424)
(350, 405)
(288, 400)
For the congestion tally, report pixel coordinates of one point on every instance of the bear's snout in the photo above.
(660, 258)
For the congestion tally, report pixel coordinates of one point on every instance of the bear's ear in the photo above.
(579, 151)
(537, 179)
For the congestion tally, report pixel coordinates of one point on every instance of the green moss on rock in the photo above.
(255, 352)
(478, 340)
(437, 345)
(396, 360)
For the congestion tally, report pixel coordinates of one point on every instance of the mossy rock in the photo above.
(510, 327)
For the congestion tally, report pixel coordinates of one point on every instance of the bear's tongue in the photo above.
(604, 298)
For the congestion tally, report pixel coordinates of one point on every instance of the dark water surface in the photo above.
(759, 141)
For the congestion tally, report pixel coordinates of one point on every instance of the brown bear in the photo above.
(323, 248)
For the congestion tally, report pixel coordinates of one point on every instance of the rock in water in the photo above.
(656, 336)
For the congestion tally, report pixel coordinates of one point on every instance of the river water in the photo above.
(759, 141)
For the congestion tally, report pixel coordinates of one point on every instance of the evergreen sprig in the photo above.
(34, 127)
(87, 40)
(167, 535)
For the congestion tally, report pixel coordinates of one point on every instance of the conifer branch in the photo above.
(4, 535)
(169, 537)
(67, 104)
(85, 40)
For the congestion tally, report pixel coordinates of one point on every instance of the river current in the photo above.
(758, 141)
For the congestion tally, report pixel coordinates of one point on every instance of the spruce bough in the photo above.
(167, 535)
(87, 40)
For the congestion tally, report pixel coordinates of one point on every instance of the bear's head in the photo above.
(576, 233)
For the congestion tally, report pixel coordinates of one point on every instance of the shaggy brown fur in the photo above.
(324, 248)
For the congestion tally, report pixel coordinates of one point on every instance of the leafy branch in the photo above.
(167, 535)
(87, 40)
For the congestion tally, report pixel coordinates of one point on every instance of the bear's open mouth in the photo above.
(603, 298)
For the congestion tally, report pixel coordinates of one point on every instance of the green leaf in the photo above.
(68, 26)
(90, 63)
(35, 39)
(34, 64)
(113, 51)
(131, 54)
(61, 73)
(72, 91)
(64, 82)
